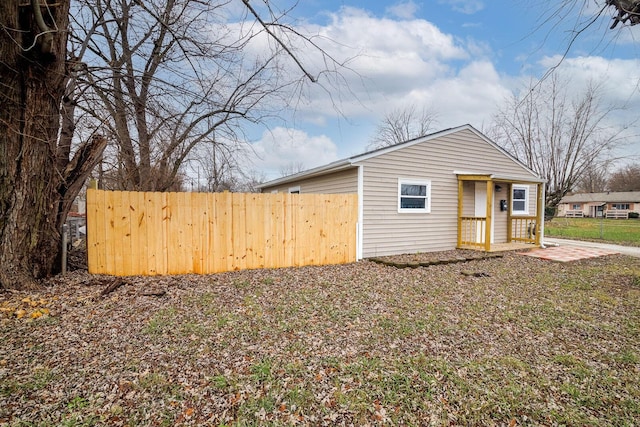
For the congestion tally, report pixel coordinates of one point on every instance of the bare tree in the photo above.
(593, 180)
(557, 136)
(218, 165)
(402, 125)
(150, 80)
(161, 85)
(623, 11)
(292, 168)
(626, 11)
(625, 179)
(251, 181)
(39, 174)
(558, 22)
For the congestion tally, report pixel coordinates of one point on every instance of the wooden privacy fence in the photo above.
(136, 233)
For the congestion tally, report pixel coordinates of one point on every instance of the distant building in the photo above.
(609, 205)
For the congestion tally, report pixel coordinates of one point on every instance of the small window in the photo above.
(414, 196)
(576, 207)
(520, 200)
(294, 190)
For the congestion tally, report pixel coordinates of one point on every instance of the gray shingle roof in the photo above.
(608, 197)
(348, 162)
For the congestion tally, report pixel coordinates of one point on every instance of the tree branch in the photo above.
(280, 42)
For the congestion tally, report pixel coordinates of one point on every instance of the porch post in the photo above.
(540, 213)
(487, 237)
(509, 218)
(460, 210)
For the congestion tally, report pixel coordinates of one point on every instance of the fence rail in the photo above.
(136, 233)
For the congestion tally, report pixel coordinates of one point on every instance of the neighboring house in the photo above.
(433, 193)
(610, 204)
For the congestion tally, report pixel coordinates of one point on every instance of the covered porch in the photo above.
(499, 213)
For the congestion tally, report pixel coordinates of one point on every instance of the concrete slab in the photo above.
(568, 253)
(633, 251)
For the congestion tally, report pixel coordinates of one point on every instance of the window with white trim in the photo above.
(294, 190)
(520, 200)
(414, 195)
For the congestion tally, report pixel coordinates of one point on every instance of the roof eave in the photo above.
(321, 170)
(351, 161)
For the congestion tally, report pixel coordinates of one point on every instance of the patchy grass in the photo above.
(618, 231)
(531, 342)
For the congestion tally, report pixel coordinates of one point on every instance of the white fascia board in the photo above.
(507, 178)
(321, 170)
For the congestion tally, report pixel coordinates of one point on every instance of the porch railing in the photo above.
(523, 229)
(473, 231)
(574, 214)
(616, 214)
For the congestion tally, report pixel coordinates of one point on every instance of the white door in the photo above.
(481, 210)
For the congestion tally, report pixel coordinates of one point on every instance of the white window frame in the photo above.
(294, 190)
(427, 197)
(524, 211)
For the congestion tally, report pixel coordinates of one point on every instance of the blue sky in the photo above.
(461, 58)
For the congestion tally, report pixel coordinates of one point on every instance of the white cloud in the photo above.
(618, 78)
(412, 62)
(281, 148)
(467, 7)
(471, 96)
(404, 10)
(409, 61)
(618, 85)
(390, 58)
(357, 28)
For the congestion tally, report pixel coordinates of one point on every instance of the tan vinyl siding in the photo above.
(342, 182)
(500, 217)
(533, 195)
(468, 198)
(387, 232)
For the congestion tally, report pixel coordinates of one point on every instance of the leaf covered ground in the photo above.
(502, 341)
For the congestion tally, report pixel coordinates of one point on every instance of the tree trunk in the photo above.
(32, 77)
